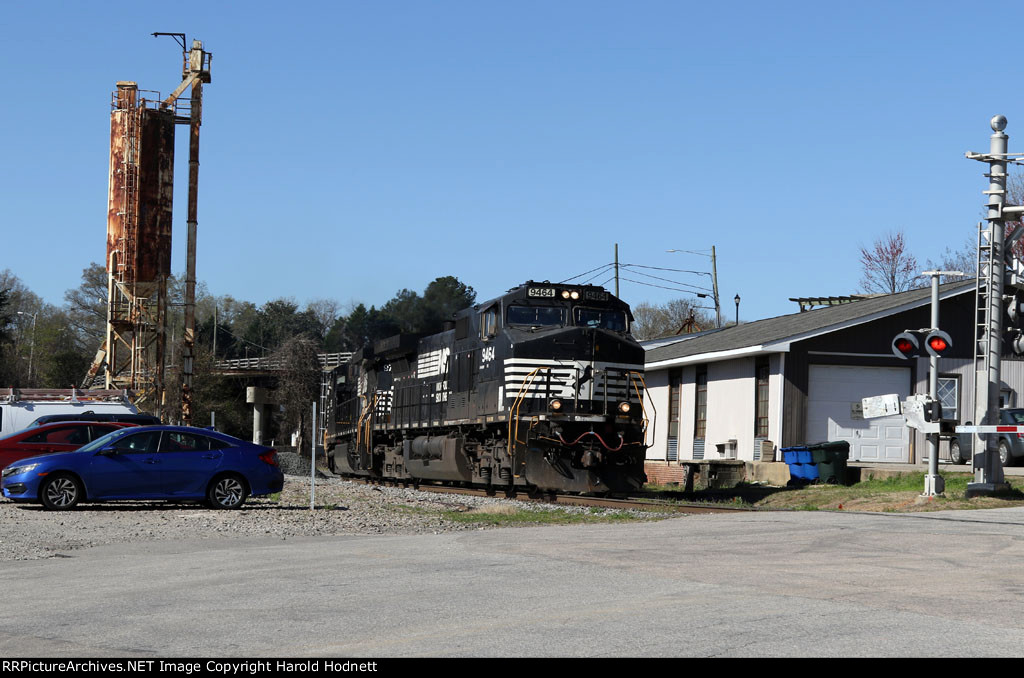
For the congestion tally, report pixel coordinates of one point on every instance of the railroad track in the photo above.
(628, 503)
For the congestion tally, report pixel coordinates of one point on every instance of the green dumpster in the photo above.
(831, 458)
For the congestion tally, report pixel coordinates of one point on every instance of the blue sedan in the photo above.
(149, 462)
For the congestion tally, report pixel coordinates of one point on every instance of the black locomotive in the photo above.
(540, 389)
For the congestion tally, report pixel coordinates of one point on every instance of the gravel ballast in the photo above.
(342, 508)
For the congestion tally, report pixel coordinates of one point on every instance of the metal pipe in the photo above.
(934, 484)
(188, 338)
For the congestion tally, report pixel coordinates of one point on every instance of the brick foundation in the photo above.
(664, 473)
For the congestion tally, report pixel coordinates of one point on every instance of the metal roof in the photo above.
(773, 335)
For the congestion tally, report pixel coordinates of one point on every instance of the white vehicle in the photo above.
(21, 407)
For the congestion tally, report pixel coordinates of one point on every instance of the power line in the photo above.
(583, 274)
(659, 268)
(674, 282)
(598, 275)
(674, 289)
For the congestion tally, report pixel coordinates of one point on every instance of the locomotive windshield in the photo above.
(606, 319)
(536, 316)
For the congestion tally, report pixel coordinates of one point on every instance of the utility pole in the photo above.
(616, 270)
(714, 286)
(32, 346)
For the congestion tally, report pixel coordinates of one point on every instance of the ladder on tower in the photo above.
(982, 308)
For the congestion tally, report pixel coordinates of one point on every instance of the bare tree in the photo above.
(963, 260)
(299, 384)
(87, 306)
(326, 312)
(888, 267)
(651, 321)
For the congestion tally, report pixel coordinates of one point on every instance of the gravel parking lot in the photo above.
(343, 508)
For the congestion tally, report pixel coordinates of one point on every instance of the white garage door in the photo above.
(832, 389)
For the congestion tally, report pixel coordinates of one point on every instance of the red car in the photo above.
(58, 437)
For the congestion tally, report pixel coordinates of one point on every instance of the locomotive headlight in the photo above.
(574, 295)
(565, 294)
(555, 405)
(624, 408)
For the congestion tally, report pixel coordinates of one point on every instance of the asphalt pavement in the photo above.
(780, 584)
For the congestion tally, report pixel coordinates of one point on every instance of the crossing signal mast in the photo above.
(998, 270)
(924, 412)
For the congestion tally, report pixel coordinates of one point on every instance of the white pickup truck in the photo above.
(20, 407)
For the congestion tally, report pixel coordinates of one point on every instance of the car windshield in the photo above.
(606, 319)
(103, 441)
(536, 316)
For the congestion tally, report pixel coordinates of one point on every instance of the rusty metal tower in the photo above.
(139, 235)
(139, 211)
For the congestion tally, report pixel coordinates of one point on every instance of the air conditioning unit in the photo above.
(727, 450)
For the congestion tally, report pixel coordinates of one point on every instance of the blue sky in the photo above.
(350, 149)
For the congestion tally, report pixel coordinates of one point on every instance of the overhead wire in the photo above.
(674, 289)
(674, 282)
(659, 268)
(585, 273)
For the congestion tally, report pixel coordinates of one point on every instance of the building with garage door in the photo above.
(741, 391)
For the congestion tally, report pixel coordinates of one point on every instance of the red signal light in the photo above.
(938, 343)
(904, 345)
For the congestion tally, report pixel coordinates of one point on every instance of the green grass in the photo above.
(893, 494)
(521, 517)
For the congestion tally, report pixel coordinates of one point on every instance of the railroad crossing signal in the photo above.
(937, 343)
(908, 344)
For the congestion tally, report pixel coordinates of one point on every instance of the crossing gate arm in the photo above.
(990, 429)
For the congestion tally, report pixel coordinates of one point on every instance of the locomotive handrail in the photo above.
(368, 422)
(513, 430)
(364, 417)
(643, 408)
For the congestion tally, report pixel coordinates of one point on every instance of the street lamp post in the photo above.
(32, 345)
(737, 300)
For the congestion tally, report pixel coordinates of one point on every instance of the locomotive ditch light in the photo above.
(937, 343)
(555, 405)
(624, 407)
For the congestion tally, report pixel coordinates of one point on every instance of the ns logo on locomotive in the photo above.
(540, 389)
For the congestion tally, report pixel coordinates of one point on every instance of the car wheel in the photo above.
(1005, 456)
(60, 492)
(227, 492)
(955, 455)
